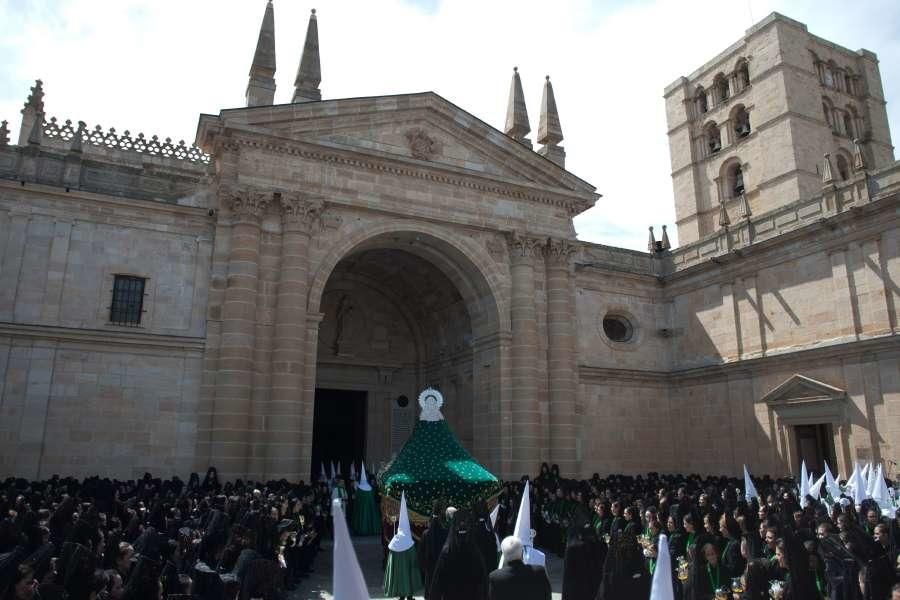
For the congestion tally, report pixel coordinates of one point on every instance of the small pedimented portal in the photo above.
(802, 402)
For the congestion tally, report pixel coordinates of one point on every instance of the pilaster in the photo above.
(232, 412)
(526, 419)
(561, 358)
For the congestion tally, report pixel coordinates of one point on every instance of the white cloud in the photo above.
(153, 66)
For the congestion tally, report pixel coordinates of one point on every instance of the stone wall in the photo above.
(79, 395)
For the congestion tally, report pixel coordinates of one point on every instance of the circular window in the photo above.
(617, 328)
(402, 401)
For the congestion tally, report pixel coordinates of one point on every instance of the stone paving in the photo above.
(368, 550)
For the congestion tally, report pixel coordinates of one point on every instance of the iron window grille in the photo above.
(127, 301)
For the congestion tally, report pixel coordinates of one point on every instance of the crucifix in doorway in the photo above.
(341, 330)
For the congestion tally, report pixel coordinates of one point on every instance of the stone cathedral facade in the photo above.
(165, 307)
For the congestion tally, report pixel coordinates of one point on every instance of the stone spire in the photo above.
(827, 177)
(33, 111)
(859, 161)
(309, 75)
(651, 242)
(517, 126)
(4, 133)
(549, 130)
(666, 245)
(261, 87)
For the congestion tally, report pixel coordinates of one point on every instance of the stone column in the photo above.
(561, 358)
(526, 418)
(284, 423)
(230, 435)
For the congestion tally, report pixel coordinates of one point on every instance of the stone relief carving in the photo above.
(421, 145)
(561, 250)
(247, 204)
(297, 209)
(525, 246)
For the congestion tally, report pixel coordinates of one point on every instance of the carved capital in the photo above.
(560, 251)
(300, 212)
(524, 246)
(246, 205)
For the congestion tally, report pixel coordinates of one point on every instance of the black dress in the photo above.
(433, 540)
(583, 566)
(460, 573)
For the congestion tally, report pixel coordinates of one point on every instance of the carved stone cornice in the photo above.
(300, 212)
(524, 246)
(441, 174)
(560, 252)
(246, 205)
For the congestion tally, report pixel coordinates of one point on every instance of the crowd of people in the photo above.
(150, 539)
(722, 546)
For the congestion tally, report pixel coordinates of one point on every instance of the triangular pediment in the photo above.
(799, 389)
(420, 129)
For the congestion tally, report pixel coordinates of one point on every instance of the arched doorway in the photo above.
(402, 310)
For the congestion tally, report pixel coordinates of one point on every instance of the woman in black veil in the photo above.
(800, 583)
(624, 571)
(460, 573)
(483, 536)
(583, 567)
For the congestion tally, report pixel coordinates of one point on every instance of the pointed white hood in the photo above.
(403, 539)
(348, 582)
(804, 483)
(815, 490)
(333, 471)
(352, 471)
(363, 480)
(323, 476)
(662, 576)
(749, 488)
(523, 519)
(831, 485)
(872, 481)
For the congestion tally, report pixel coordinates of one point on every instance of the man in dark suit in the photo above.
(516, 580)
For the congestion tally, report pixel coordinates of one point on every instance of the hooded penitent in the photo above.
(402, 576)
(365, 519)
(432, 465)
(348, 582)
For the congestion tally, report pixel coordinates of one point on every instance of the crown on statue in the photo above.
(431, 401)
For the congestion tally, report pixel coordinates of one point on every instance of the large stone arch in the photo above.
(470, 267)
(482, 286)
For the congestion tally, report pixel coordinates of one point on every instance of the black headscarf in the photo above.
(460, 573)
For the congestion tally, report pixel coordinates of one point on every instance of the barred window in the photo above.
(127, 301)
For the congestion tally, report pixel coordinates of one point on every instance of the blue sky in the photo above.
(155, 65)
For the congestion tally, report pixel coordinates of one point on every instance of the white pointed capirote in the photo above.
(347, 582)
(864, 474)
(363, 481)
(333, 471)
(815, 490)
(523, 531)
(831, 485)
(494, 514)
(804, 483)
(854, 478)
(872, 481)
(859, 491)
(352, 470)
(403, 539)
(749, 488)
(661, 588)
(323, 476)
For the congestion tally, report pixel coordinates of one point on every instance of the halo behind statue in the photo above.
(432, 465)
(431, 401)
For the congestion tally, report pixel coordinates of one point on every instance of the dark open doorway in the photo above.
(815, 445)
(339, 430)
